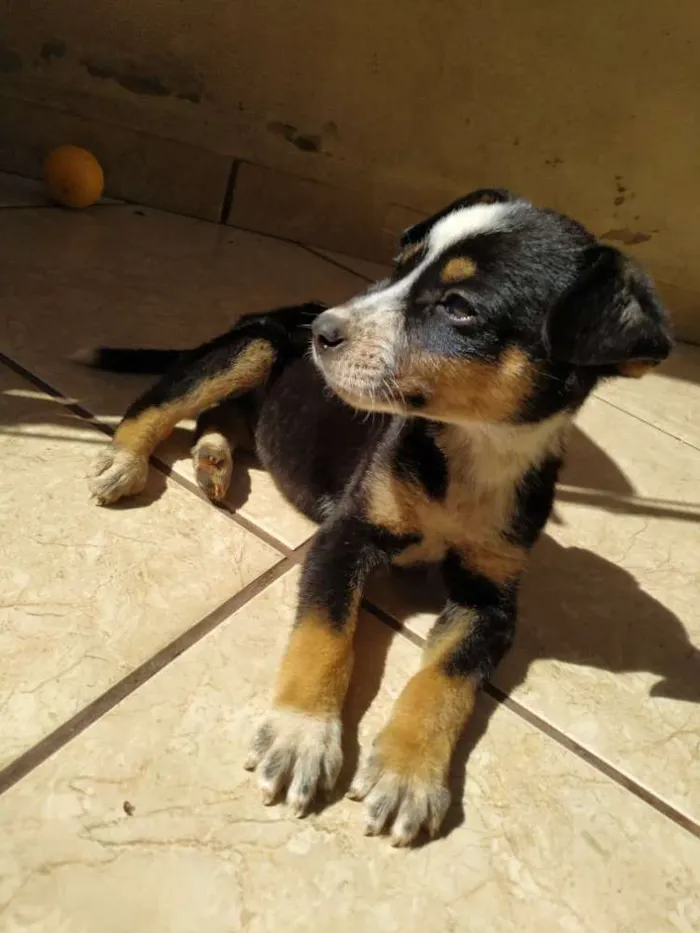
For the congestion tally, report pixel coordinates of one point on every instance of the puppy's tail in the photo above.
(125, 360)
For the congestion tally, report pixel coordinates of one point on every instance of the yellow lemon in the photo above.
(73, 176)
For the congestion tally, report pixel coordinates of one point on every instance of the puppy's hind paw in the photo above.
(117, 473)
(213, 465)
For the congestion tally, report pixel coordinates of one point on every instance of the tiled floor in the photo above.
(137, 644)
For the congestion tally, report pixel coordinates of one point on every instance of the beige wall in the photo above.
(592, 108)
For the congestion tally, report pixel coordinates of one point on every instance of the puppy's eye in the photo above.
(454, 305)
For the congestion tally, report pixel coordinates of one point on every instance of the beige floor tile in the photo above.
(87, 594)
(252, 494)
(669, 397)
(374, 271)
(141, 277)
(608, 646)
(16, 191)
(540, 841)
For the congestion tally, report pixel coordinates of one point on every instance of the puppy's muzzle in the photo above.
(330, 332)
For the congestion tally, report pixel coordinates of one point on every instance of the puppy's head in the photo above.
(497, 311)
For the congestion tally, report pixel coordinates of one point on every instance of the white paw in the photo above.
(402, 804)
(117, 472)
(213, 465)
(297, 754)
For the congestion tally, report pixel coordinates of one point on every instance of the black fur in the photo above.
(344, 552)
(445, 376)
(417, 458)
(535, 497)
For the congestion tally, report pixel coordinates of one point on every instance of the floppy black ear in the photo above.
(611, 316)
(418, 231)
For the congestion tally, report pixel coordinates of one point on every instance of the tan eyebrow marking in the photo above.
(457, 269)
(408, 252)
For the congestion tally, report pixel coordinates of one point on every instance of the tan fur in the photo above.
(316, 667)
(499, 560)
(392, 503)
(636, 368)
(441, 643)
(427, 719)
(484, 467)
(409, 252)
(431, 712)
(460, 389)
(146, 430)
(457, 269)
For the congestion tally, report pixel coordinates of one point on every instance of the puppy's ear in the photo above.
(418, 231)
(611, 316)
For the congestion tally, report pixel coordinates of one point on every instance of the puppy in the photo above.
(497, 322)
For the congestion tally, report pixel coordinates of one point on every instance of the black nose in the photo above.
(329, 331)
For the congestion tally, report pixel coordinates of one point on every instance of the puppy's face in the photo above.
(490, 301)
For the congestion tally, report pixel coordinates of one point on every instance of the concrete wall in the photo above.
(362, 114)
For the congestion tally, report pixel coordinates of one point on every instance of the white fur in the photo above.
(117, 472)
(459, 225)
(403, 804)
(296, 751)
(466, 222)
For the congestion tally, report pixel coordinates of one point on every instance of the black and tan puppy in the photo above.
(498, 321)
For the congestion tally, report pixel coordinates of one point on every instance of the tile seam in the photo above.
(15, 771)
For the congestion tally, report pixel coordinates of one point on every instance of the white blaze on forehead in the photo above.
(466, 222)
(459, 225)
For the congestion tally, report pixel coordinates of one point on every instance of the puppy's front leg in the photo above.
(404, 781)
(297, 748)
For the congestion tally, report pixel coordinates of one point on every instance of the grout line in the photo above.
(649, 424)
(561, 738)
(55, 207)
(24, 207)
(335, 262)
(46, 387)
(393, 623)
(241, 520)
(227, 200)
(49, 745)
(593, 760)
(155, 461)
(88, 715)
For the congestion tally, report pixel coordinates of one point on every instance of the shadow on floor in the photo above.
(591, 477)
(576, 608)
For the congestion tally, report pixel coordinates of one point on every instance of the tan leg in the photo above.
(404, 780)
(298, 746)
(189, 389)
(297, 749)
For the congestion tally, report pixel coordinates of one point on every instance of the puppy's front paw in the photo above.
(117, 472)
(400, 796)
(297, 754)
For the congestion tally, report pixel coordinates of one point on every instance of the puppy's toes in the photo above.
(117, 472)
(296, 755)
(399, 802)
(213, 465)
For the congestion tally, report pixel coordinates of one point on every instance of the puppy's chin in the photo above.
(360, 389)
